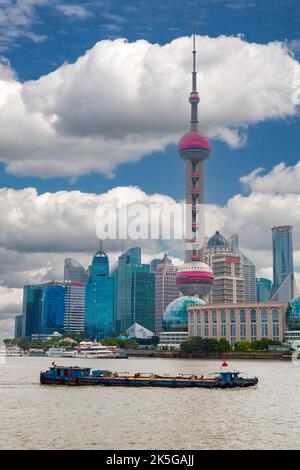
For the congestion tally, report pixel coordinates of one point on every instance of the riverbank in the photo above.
(255, 355)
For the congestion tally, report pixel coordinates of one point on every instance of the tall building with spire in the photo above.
(99, 298)
(195, 276)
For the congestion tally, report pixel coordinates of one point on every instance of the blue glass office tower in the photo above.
(53, 308)
(283, 266)
(99, 299)
(32, 309)
(136, 292)
(263, 289)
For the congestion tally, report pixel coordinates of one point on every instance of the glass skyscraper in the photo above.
(263, 289)
(99, 299)
(283, 265)
(32, 309)
(136, 291)
(74, 271)
(53, 308)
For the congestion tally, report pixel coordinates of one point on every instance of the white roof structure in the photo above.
(139, 332)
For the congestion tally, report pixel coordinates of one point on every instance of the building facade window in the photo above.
(242, 325)
(275, 323)
(253, 324)
(242, 316)
(232, 334)
(223, 324)
(206, 325)
(232, 316)
(214, 324)
(264, 323)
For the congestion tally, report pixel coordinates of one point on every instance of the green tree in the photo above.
(243, 346)
(263, 344)
(224, 345)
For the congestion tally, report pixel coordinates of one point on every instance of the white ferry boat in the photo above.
(90, 350)
(60, 352)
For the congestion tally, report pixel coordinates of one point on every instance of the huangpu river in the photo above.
(58, 417)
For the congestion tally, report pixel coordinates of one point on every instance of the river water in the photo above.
(53, 417)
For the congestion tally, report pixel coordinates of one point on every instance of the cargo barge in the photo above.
(61, 375)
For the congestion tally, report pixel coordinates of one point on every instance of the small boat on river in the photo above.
(62, 375)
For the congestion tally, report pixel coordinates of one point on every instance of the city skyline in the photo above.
(41, 226)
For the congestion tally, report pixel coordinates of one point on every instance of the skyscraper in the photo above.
(53, 308)
(263, 289)
(166, 289)
(283, 265)
(136, 291)
(74, 271)
(248, 269)
(74, 307)
(18, 326)
(194, 277)
(99, 299)
(228, 279)
(32, 309)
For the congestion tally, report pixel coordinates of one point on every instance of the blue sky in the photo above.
(59, 38)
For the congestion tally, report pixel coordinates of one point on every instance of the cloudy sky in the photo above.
(93, 100)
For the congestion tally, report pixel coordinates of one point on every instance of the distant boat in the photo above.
(90, 350)
(59, 352)
(11, 351)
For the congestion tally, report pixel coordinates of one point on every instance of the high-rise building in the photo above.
(217, 244)
(74, 307)
(99, 299)
(226, 261)
(136, 291)
(154, 263)
(283, 265)
(195, 276)
(18, 326)
(228, 279)
(32, 309)
(263, 289)
(248, 269)
(53, 308)
(74, 271)
(166, 289)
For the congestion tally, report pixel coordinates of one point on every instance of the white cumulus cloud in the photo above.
(282, 179)
(121, 101)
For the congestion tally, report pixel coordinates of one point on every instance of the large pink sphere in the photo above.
(194, 140)
(195, 278)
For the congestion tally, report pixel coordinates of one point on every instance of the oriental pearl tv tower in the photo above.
(194, 277)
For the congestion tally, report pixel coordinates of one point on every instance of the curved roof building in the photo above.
(176, 316)
(217, 240)
(74, 271)
(293, 314)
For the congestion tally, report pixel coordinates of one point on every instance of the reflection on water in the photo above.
(54, 417)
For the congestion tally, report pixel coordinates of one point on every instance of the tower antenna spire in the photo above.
(194, 97)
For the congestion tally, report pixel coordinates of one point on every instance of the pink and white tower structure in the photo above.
(195, 277)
